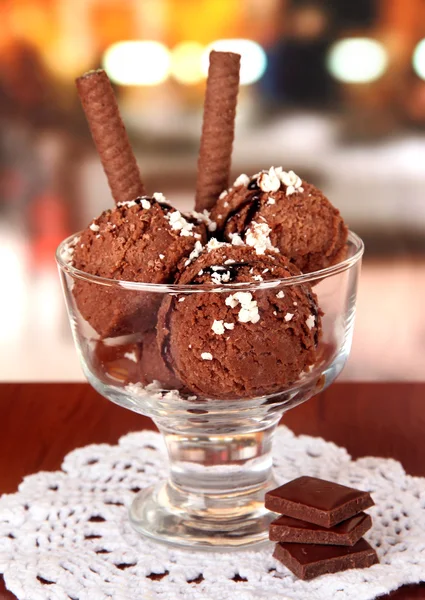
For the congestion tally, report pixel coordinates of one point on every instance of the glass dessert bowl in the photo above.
(217, 410)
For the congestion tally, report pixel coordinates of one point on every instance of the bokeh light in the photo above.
(253, 58)
(186, 62)
(419, 59)
(357, 60)
(137, 63)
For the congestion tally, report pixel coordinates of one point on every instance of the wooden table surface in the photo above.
(40, 423)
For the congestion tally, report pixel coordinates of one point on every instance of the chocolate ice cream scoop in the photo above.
(141, 241)
(296, 218)
(241, 343)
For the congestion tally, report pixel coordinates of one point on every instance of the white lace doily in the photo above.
(65, 535)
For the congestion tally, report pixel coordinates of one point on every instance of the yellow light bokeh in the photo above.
(253, 58)
(137, 62)
(186, 62)
(357, 60)
(204, 20)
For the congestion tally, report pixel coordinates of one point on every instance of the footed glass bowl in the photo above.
(220, 462)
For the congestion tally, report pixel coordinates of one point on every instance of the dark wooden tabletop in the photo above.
(40, 423)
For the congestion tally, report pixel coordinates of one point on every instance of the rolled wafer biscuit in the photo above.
(109, 135)
(218, 128)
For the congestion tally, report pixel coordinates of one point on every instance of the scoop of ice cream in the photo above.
(289, 214)
(139, 241)
(241, 343)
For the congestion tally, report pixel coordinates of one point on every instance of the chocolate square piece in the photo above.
(317, 501)
(307, 561)
(347, 533)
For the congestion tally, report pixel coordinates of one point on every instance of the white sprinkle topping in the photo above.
(69, 249)
(179, 223)
(98, 235)
(94, 227)
(223, 195)
(146, 204)
(171, 395)
(229, 325)
(206, 356)
(225, 204)
(269, 181)
(131, 356)
(258, 236)
(231, 301)
(249, 308)
(274, 312)
(127, 203)
(292, 181)
(182, 299)
(280, 294)
(241, 180)
(194, 254)
(161, 256)
(229, 261)
(258, 278)
(218, 327)
(236, 239)
(295, 303)
(204, 217)
(159, 197)
(288, 317)
(248, 315)
(220, 277)
(213, 244)
(139, 390)
(310, 322)
(265, 271)
(201, 272)
(190, 346)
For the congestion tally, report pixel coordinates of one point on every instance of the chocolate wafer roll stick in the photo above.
(109, 135)
(218, 128)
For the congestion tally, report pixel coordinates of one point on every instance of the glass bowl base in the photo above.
(169, 515)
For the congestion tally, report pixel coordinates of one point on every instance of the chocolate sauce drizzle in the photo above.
(165, 346)
(315, 312)
(165, 207)
(232, 268)
(254, 202)
(253, 184)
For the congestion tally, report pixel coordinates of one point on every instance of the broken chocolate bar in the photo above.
(307, 561)
(347, 533)
(317, 501)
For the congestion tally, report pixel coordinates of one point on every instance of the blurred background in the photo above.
(333, 89)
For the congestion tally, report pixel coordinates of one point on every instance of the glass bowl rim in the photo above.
(340, 267)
